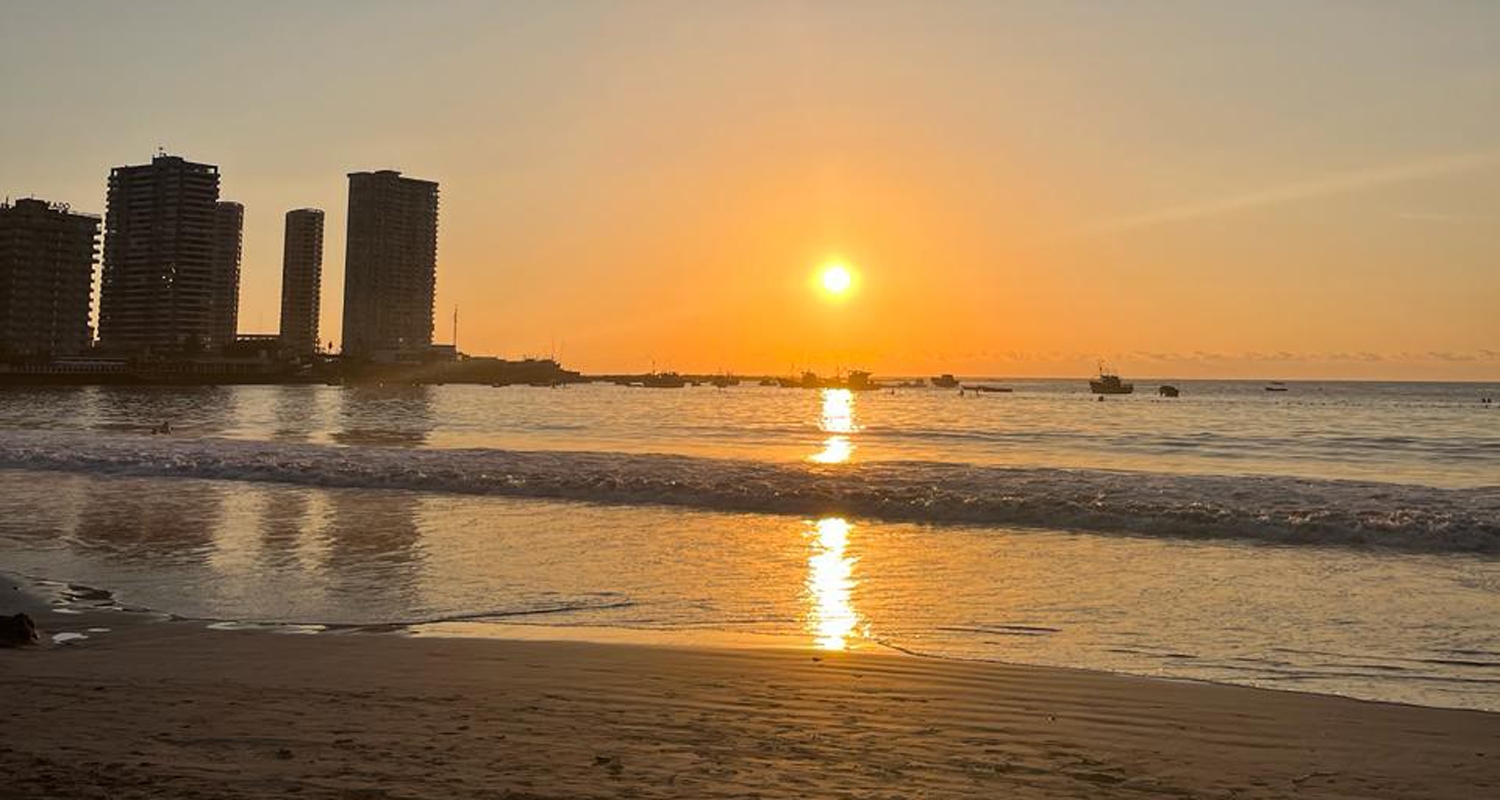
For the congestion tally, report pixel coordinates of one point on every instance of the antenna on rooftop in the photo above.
(455, 327)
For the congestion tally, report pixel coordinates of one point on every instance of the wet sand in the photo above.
(171, 710)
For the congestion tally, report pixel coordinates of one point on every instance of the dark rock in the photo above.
(17, 630)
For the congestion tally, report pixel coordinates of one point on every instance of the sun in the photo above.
(836, 278)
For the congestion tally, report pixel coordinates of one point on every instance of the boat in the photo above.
(945, 381)
(982, 388)
(767, 381)
(1167, 391)
(858, 381)
(663, 380)
(723, 381)
(1275, 386)
(855, 381)
(1109, 383)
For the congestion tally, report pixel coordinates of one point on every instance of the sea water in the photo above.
(1337, 537)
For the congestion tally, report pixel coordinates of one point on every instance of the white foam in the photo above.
(1276, 509)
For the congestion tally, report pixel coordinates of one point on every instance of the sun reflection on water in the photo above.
(836, 450)
(831, 618)
(837, 420)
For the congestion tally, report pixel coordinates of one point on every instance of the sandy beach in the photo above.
(171, 710)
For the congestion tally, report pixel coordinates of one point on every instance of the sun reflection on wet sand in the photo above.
(838, 421)
(831, 618)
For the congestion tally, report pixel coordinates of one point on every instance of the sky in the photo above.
(1181, 189)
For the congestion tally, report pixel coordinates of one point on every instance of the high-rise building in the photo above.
(157, 289)
(390, 263)
(47, 258)
(229, 227)
(301, 279)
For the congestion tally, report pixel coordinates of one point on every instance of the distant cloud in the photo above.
(1363, 355)
(1253, 356)
(1338, 183)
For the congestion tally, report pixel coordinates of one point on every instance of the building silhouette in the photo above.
(301, 279)
(390, 264)
(157, 289)
(229, 227)
(47, 256)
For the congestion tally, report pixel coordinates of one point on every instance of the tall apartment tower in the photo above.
(47, 256)
(157, 289)
(390, 263)
(229, 227)
(302, 279)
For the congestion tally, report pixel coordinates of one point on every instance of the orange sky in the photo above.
(1183, 190)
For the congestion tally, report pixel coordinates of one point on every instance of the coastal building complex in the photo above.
(47, 256)
(158, 281)
(301, 279)
(229, 226)
(390, 264)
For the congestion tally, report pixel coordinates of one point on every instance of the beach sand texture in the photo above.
(172, 710)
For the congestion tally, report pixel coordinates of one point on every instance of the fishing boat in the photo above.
(1109, 383)
(980, 388)
(723, 381)
(1167, 391)
(945, 381)
(1275, 386)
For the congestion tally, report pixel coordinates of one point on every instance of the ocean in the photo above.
(1336, 537)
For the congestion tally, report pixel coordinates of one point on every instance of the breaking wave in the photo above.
(1272, 509)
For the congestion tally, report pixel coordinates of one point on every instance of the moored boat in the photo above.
(663, 380)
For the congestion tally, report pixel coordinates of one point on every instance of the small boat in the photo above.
(1276, 386)
(1109, 383)
(981, 388)
(663, 380)
(724, 381)
(859, 381)
(1167, 391)
(945, 381)
(767, 381)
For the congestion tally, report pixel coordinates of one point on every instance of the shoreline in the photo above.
(80, 613)
(175, 710)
